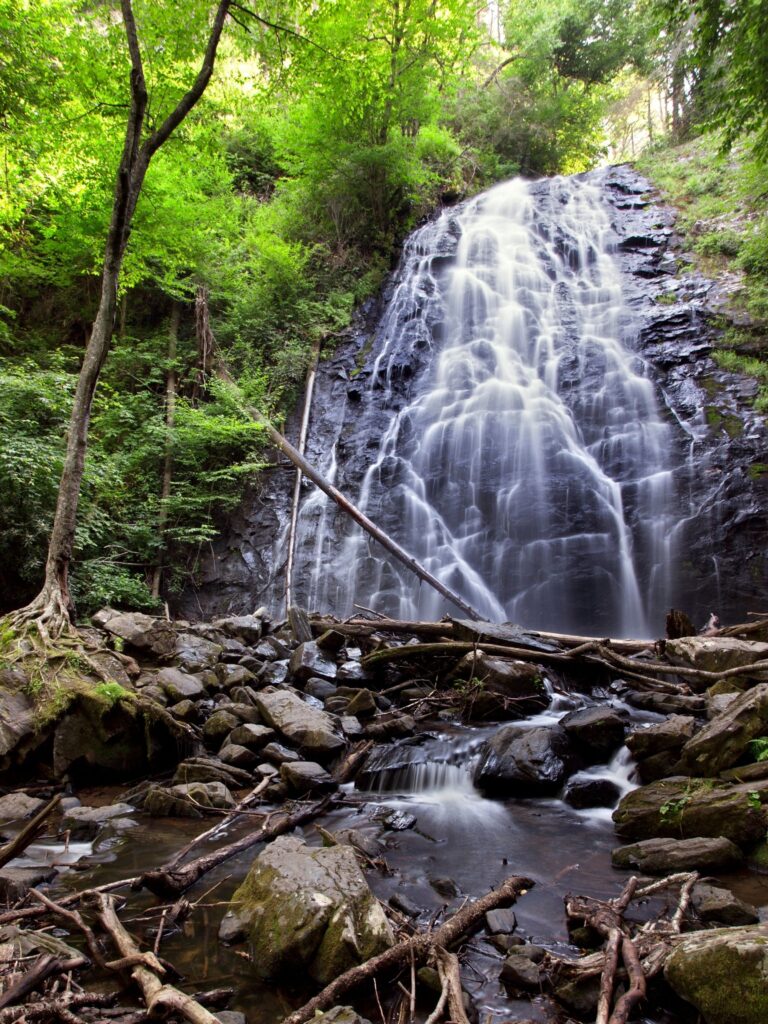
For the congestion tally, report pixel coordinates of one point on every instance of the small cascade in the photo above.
(510, 437)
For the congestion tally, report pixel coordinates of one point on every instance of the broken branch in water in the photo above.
(418, 948)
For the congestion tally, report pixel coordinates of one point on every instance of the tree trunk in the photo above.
(170, 416)
(53, 608)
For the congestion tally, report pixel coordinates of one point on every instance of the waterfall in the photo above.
(507, 435)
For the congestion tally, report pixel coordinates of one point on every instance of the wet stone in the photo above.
(310, 660)
(658, 856)
(715, 905)
(220, 724)
(306, 777)
(180, 685)
(279, 754)
(274, 674)
(399, 821)
(16, 806)
(185, 711)
(238, 756)
(519, 972)
(596, 732)
(584, 793)
(404, 904)
(195, 653)
(320, 688)
(500, 922)
(252, 736)
(232, 929)
(230, 676)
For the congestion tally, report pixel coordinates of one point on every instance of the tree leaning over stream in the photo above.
(52, 610)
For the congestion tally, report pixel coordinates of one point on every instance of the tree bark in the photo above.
(171, 383)
(53, 608)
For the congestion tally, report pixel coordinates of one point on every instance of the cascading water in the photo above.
(524, 461)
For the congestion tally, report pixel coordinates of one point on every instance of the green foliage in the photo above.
(758, 748)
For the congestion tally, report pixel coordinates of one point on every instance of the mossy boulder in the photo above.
(309, 909)
(723, 973)
(683, 808)
(724, 740)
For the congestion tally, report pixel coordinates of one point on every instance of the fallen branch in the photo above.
(50, 1009)
(161, 999)
(16, 846)
(171, 881)
(43, 968)
(418, 948)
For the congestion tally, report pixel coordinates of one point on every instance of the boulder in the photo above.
(278, 754)
(659, 856)
(144, 632)
(310, 728)
(306, 777)
(683, 808)
(16, 882)
(723, 973)
(16, 806)
(520, 972)
(520, 761)
(238, 756)
(188, 800)
(309, 909)
(17, 717)
(310, 660)
(663, 765)
(178, 685)
(724, 740)
(595, 732)
(195, 653)
(230, 676)
(209, 769)
(586, 792)
(714, 905)
(252, 736)
(220, 724)
(671, 734)
(242, 627)
(499, 687)
(361, 703)
(715, 654)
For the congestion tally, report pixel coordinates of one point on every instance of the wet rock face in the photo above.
(309, 910)
(722, 742)
(722, 559)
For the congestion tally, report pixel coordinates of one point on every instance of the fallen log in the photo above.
(16, 846)
(415, 949)
(351, 510)
(170, 880)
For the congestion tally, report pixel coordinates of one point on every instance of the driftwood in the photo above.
(413, 950)
(352, 511)
(161, 999)
(51, 1009)
(171, 880)
(43, 968)
(16, 846)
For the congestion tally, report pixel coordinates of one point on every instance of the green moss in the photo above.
(758, 469)
(724, 981)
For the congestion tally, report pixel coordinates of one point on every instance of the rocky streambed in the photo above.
(360, 783)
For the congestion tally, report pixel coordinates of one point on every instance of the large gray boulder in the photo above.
(520, 761)
(315, 731)
(715, 654)
(684, 808)
(17, 717)
(671, 734)
(723, 974)
(723, 741)
(309, 910)
(187, 800)
(310, 660)
(595, 732)
(144, 632)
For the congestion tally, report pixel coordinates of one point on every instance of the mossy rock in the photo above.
(723, 973)
(309, 909)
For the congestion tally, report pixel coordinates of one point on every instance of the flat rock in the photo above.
(247, 628)
(659, 856)
(306, 777)
(86, 821)
(724, 740)
(252, 736)
(278, 754)
(723, 973)
(315, 731)
(16, 806)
